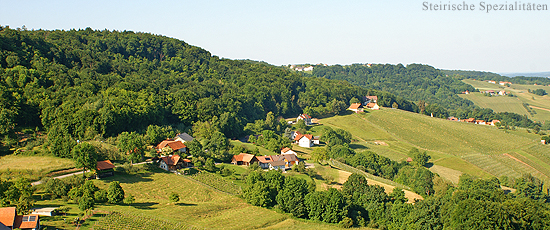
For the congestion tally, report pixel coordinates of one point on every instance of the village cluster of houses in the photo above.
(491, 92)
(503, 83)
(283, 161)
(474, 121)
(369, 102)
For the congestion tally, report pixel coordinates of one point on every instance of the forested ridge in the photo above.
(415, 82)
(480, 75)
(433, 91)
(79, 84)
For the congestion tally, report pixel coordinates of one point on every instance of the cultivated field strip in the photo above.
(491, 165)
(125, 221)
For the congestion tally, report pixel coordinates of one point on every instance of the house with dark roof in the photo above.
(10, 220)
(369, 99)
(173, 162)
(243, 159)
(104, 169)
(183, 137)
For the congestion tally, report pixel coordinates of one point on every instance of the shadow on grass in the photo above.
(129, 178)
(358, 147)
(144, 205)
(429, 165)
(184, 204)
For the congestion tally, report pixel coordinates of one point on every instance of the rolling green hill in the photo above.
(478, 150)
(539, 106)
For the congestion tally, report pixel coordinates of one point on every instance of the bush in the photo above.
(346, 222)
(100, 196)
(174, 197)
(129, 199)
(115, 193)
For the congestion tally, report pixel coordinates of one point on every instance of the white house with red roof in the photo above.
(173, 162)
(304, 140)
(288, 151)
(305, 117)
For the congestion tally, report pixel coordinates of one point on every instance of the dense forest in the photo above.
(414, 82)
(80, 84)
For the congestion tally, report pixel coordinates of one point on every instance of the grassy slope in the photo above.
(509, 104)
(455, 147)
(33, 167)
(199, 206)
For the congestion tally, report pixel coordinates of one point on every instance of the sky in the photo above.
(332, 32)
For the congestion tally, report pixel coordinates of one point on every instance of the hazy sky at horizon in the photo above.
(333, 32)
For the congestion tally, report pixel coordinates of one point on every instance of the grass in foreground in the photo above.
(33, 167)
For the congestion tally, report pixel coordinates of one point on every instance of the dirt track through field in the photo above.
(387, 188)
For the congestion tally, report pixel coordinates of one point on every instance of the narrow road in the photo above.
(77, 173)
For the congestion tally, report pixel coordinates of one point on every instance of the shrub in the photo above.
(174, 197)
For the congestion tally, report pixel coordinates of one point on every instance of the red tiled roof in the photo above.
(103, 165)
(495, 121)
(285, 149)
(7, 215)
(187, 160)
(355, 106)
(305, 115)
(24, 222)
(370, 105)
(245, 157)
(171, 160)
(264, 159)
(298, 137)
(174, 145)
(470, 120)
(373, 98)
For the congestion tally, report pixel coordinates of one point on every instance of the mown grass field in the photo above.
(33, 167)
(199, 206)
(455, 147)
(497, 103)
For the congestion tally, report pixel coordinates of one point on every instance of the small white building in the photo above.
(305, 117)
(285, 151)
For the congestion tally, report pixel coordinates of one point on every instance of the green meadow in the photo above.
(455, 147)
(200, 207)
(540, 105)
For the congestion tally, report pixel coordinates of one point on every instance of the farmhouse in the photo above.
(480, 122)
(173, 162)
(369, 99)
(491, 92)
(502, 93)
(470, 120)
(494, 122)
(305, 141)
(277, 161)
(373, 106)
(453, 119)
(492, 82)
(294, 134)
(243, 159)
(305, 117)
(10, 220)
(170, 146)
(505, 83)
(288, 151)
(183, 137)
(356, 107)
(104, 169)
